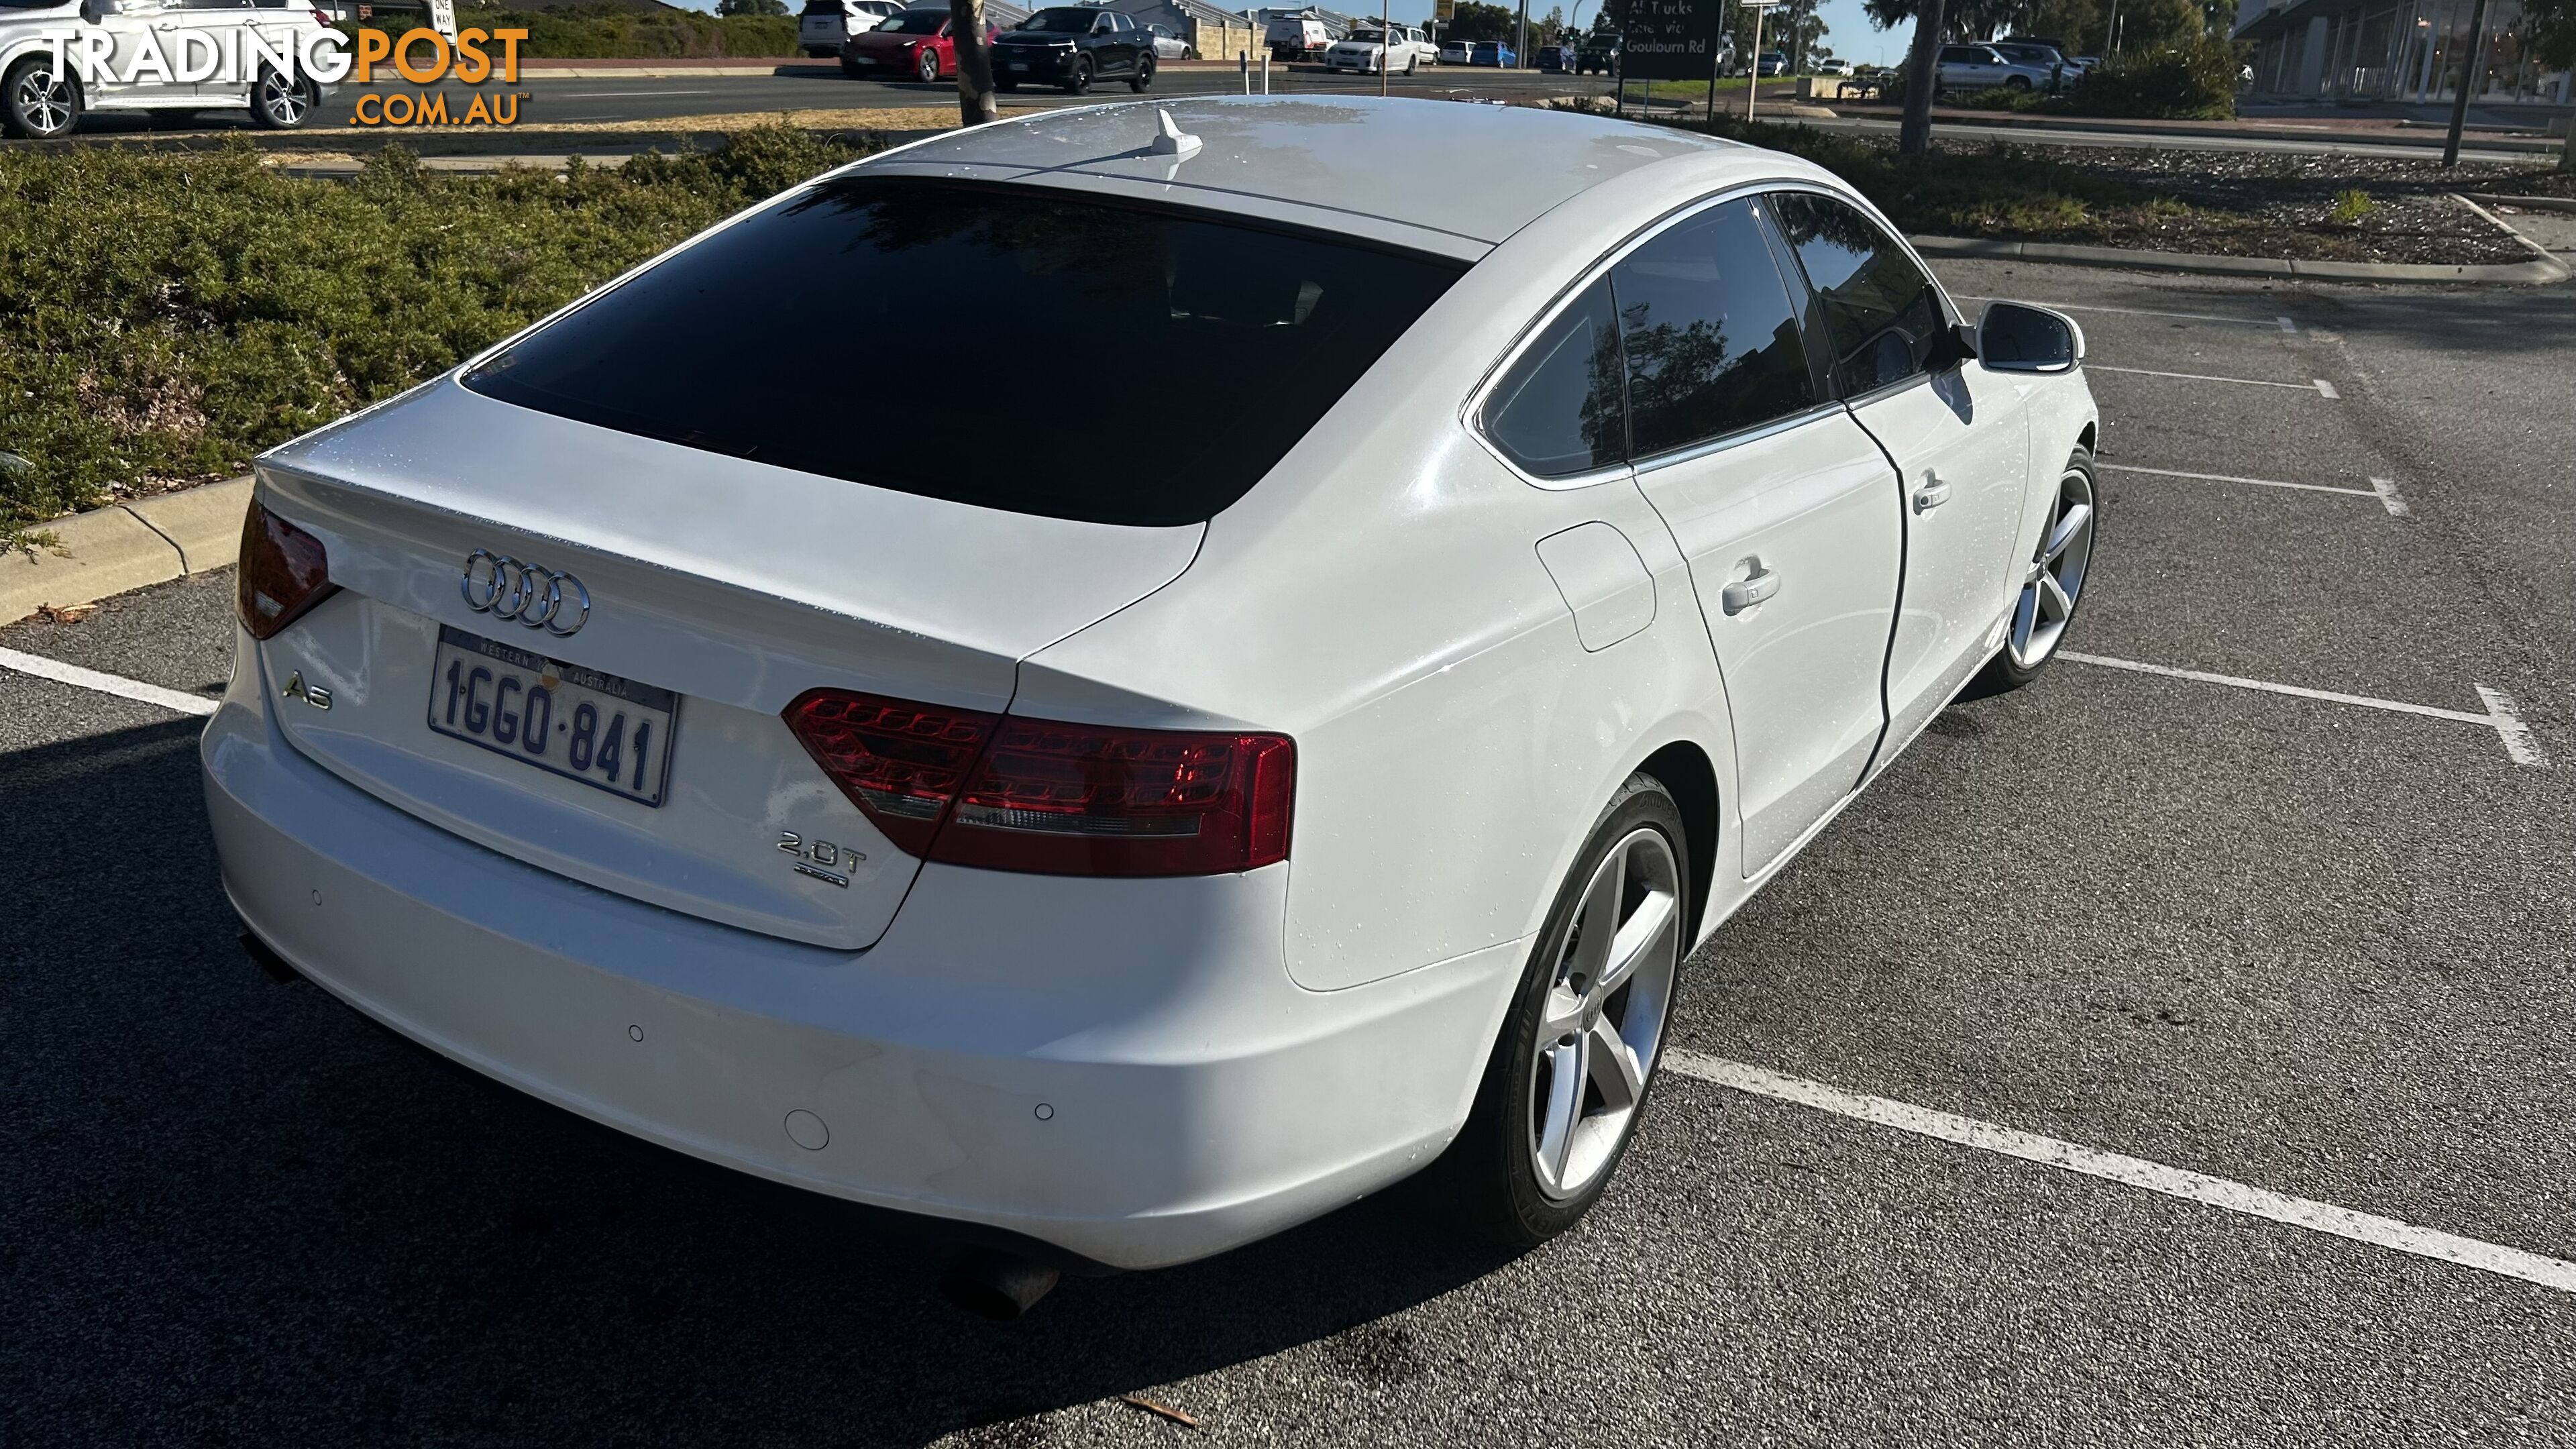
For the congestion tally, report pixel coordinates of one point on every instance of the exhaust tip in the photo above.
(996, 1285)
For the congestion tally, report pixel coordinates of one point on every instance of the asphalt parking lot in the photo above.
(2297, 918)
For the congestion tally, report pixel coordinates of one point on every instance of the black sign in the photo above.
(1671, 39)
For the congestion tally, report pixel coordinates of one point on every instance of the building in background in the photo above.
(2391, 50)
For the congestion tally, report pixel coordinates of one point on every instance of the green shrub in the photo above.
(165, 315)
(2006, 98)
(2193, 80)
(2350, 206)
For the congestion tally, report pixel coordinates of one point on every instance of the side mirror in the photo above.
(95, 11)
(2016, 337)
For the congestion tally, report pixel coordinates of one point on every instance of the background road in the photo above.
(2316, 947)
(820, 86)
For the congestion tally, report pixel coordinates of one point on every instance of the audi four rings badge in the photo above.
(503, 587)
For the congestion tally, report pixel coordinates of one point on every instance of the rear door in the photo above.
(1783, 506)
(1957, 434)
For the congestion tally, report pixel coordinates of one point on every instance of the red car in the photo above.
(916, 43)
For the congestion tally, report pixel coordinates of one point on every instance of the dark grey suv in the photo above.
(1071, 46)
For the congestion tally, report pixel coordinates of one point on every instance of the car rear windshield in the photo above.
(924, 336)
(1071, 20)
(916, 22)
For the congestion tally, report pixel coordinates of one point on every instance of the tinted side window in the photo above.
(1879, 308)
(1560, 409)
(1711, 338)
(788, 306)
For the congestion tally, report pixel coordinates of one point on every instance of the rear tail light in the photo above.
(901, 763)
(1007, 793)
(283, 573)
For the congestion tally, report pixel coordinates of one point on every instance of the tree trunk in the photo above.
(975, 103)
(1922, 68)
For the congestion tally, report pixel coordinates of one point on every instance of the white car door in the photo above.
(1958, 435)
(215, 21)
(136, 25)
(1783, 506)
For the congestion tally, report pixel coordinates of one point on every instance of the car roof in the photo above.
(1474, 172)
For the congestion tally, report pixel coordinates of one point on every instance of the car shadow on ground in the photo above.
(235, 1211)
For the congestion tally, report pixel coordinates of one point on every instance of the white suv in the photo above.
(42, 98)
(825, 24)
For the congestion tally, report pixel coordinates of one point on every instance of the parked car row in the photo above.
(2013, 63)
(1067, 46)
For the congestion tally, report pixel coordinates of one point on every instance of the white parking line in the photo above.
(2501, 715)
(2138, 1172)
(2386, 488)
(2373, 493)
(116, 684)
(2319, 386)
(2284, 323)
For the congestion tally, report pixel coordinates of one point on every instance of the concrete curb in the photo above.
(2536, 272)
(2525, 203)
(127, 546)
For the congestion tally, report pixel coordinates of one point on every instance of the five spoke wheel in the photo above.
(1604, 1015)
(2056, 577)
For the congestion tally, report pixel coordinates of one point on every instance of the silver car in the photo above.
(1979, 67)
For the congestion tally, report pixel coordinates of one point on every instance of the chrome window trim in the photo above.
(1693, 452)
(1471, 414)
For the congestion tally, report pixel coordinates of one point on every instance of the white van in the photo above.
(1297, 38)
(825, 24)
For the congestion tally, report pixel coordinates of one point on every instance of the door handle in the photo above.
(1932, 494)
(1744, 593)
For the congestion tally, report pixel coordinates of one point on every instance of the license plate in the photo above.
(1019, 65)
(610, 733)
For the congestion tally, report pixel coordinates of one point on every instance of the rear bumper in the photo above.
(1121, 1069)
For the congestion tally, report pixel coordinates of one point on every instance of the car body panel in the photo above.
(1293, 144)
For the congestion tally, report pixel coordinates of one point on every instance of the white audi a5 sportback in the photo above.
(1128, 844)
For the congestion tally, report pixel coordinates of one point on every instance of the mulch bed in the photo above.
(2270, 204)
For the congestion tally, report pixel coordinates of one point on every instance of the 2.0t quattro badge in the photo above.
(539, 597)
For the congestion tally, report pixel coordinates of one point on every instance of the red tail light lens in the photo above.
(901, 763)
(1057, 799)
(283, 573)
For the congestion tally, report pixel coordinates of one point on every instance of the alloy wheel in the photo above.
(43, 102)
(1605, 1013)
(282, 101)
(2056, 577)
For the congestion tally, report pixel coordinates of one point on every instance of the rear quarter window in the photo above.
(1193, 352)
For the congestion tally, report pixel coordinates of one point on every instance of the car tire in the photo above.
(37, 103)
(926, 69)
(280, 104)
(1078, 79)
(1544, 1137)
(1411, 66)
(853, 72)
(2016, 82)
(2054, 588)
(1143, 79)
(1006, 86)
